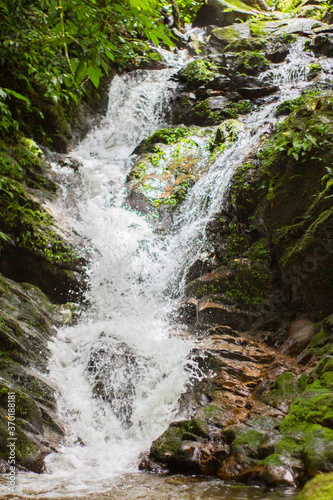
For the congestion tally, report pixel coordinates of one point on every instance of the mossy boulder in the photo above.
(197, 72)
(319, 488)
(172, 160)
(285, 390)
(287, 191)
(227, 12)
(229, 36)
(176, 447)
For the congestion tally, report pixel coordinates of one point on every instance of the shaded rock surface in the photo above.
(34, 247)
(25, 328)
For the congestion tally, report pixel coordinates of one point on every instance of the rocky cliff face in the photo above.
(258, 298)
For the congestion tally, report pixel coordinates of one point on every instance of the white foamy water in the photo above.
(122, 350)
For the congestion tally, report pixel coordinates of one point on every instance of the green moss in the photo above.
(30, 226)
(321, 344)
(247, 44)
(252, 62)
(260, 250)
(287, 5)
(166, 446)
(238, 179)
(274, 459)
(314, 70)
(239, 108)
(10, 168)
(287, 107)
(163, 136)
(203, 114)
(250, 283)
(319, 488)
(285, 390)
(235, 241)
(246, 441)
(314, 406)
(198, 72)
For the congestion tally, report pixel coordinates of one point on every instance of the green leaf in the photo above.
(94, 74)
(59, 28)
(18, 96)
(81, 71)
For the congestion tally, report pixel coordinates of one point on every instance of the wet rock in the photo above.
(268, 475)
(203, 264)
(207, 15)
(221, 37)
(213, 282)
(114, 372)
(25, 329)
(278, 56)
(211, 313)
(220, 83)
(37, 247)
(319, 487)
(171, 161)
(322, 44)
(184, 447)
(251, 87)
(285, 27)
(197, 73)
(228, 12)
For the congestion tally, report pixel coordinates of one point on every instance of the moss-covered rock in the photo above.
(285, 390)
(26, 319)
(197, 72)
(319, 488)
(172, 160)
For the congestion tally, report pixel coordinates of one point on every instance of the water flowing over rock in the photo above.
(204, 201)
(114, 372)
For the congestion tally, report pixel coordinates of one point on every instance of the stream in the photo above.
(125, 337)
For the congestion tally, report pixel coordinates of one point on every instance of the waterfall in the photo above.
(121, 370)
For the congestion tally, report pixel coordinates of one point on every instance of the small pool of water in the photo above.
(146, 486)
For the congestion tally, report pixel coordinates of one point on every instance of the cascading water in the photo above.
(120, 371)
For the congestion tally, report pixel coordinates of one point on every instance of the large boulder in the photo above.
(171, 161)
(225, 13)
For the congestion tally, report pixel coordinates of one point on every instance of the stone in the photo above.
(228, 12)
(322, 44)
(320, 488)
(251, 87)
(211, 313)
(114, 371)
(269, 475)
(26, 326)
(207, 15)
(222, 37)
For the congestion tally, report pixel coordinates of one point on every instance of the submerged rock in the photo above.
(114, 371)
